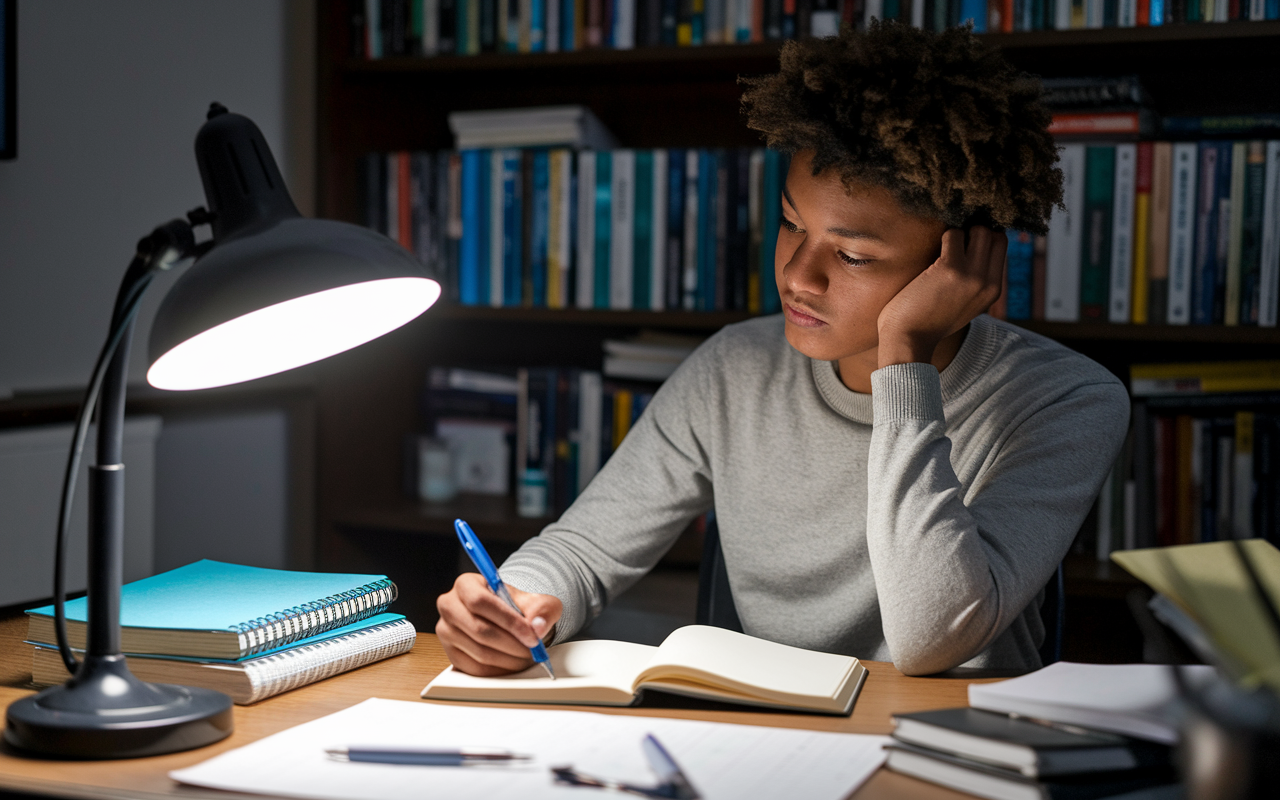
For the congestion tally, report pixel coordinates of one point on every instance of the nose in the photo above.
(802, 272)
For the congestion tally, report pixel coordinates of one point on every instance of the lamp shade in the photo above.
(275, 291)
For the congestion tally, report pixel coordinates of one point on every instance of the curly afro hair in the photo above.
(941, 120)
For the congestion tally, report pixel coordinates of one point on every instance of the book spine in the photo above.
(677, 161)
(449, 187)
(621, 238)
(585, 274)
(524, 245)
(497, 224)
(469, 247)
(1181, 232)
(512, 228)
(755, 221)
(1231, 229)
(553, 39)
(604, 228)
(1140, 283)
(706, 254)
(1251, 230)
(1205, 248)
(540, 229)
(670, 16)
(391, 197)
(309, 619)
(1240, 483)
(1062, 264)
(1019, 259)
(624, 25)
(1269, 265)
(658, 237)
(642, 231)
(689, 285)
(1122, 225)
(724, 197)
(555, 235)
(775, 174)
(1095, 264)
(569, 28)
(1161, 200)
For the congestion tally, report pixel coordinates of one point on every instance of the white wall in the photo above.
(110, 97)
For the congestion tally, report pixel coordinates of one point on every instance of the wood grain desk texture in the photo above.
(886, 692)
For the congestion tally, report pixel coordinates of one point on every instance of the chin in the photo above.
(822, 344)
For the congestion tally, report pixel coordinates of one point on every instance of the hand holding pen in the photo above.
(481, 633)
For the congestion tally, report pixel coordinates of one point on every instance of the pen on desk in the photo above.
(427, 757)
(480, 557)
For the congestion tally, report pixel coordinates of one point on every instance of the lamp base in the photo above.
(104, 711)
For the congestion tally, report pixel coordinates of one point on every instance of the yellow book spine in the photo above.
(621, 416)
(554, 188)
(1141, 254)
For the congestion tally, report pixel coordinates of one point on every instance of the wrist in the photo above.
(900, 348)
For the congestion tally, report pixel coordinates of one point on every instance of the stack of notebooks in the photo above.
(1078, 731)
(246, 631)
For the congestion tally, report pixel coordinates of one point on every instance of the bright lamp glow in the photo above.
(292, 333)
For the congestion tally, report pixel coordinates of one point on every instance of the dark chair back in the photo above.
(1053, 613)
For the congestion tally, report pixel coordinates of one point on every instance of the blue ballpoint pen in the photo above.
(480, 557)
(422, 757)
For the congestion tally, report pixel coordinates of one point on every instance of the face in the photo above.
(841, 257)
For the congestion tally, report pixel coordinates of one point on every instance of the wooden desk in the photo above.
(887, 691)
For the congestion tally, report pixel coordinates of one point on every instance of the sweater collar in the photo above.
(975, 355)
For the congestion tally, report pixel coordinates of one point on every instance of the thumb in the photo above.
(541, 610)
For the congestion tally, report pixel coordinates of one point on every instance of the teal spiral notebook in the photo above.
(213, 610)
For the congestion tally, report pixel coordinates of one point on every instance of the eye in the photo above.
(851, 261)
(789, 226)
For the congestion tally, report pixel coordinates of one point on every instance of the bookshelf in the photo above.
(655, 97)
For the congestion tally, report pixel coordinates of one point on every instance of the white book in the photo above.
(1128, 14)
(1062, 16)
(622, 246)
(1122, 233)
(590, 408)
(624, 25)
(658, 250)
(917, 16)
(1233, 224)
(497, 162)
(551, 39)
(1220, 11)
(742, 32)
(1257, 9)
(689, 285)
(1181, 231)
(430, 27)
(1062, 259)
(874, 9)
(586, 288)
(1269, 274)
(1133, 699)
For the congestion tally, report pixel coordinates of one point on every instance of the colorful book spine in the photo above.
(1233, 223)
(1204, 267)
(1161, 202)
(512, 228)
(557, 229)
(689, 254)
(585, 291)
(539, 231)
(1251, 233)
(1095, 264)
(642, 231)
(1122, 222)
(469, 256)
(1141, 233)
(677, 161)
(604, 227)
(1018, 294)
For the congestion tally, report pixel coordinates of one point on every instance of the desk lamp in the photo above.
(270, 291)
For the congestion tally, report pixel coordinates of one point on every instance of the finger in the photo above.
(998, 258)
(494, 611)
(541, 610)
(978, 254)
(458, 610)
(953, 252)
(458, 642)
(464, 661)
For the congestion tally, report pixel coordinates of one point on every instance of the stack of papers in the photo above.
(721, 761)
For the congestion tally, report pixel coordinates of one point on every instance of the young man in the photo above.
(895, 475)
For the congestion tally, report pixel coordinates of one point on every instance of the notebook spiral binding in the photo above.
(288, 626)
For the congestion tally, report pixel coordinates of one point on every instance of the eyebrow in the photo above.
(845, 233)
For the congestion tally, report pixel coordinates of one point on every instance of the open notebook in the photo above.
(696, 660)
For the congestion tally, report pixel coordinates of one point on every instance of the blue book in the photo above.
(1273, 9)
(483, 226)
(538, 26)
(675, 228)
(568, 34)
(706, 296)
(211, 610)
(1021, 251)
(460, 43)
(975, 10)
(512, 216)
(642, 231)
(540, 218)
(1204, 266)
(775, 173)
(604, 215)
(1156, 15)
(469, 271)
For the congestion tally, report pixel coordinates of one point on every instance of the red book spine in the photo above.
(1006, 16)
(757, 20)
(1144, 13)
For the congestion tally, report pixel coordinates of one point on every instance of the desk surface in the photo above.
(886, 692)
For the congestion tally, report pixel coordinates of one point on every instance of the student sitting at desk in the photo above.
(895, 474)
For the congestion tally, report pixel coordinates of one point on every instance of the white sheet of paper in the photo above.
(720, 760)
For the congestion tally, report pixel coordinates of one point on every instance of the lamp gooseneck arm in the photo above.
(157, 252)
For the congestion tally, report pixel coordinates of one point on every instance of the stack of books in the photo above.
(249, 632)
(1068, 730)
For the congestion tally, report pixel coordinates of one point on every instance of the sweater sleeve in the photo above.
(954, 567)
(631, 513)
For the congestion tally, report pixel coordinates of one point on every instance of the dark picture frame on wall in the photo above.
(8, 79)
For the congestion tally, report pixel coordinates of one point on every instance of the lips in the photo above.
(803, 318)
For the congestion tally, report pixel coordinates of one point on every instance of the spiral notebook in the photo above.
(213, 610)
(254, 679)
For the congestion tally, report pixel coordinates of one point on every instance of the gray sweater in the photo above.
(918, 524)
